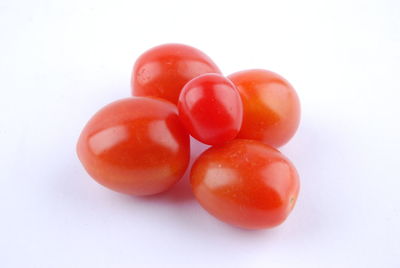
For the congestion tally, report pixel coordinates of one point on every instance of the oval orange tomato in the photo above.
(163, 70)
(245, 183)
(271, 108)
(135, 146)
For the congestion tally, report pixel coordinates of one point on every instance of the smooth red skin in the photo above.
(211, 109)
(163, 70)
(135, 146)
(245, 183)
(271, 107)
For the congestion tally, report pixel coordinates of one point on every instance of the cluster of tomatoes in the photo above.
(140, 145)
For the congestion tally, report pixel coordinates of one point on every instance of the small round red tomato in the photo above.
(245, 183)
(211, 109)
(163, 70)
(135, 146)
(271, 108)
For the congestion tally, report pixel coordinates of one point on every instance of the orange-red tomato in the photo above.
(211, 109)
(245, 183)
(163, 70)
(271, 108)
(135, 146)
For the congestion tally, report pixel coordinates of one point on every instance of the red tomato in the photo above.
(211, 109)
(135, 146)
(163, 70)
(245, 183)
(271, 108)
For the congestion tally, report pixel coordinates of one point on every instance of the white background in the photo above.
(60, 61)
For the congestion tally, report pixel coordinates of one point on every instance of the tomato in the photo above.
(163, 70)
(211, 109)
(245, 183)
(271, 108)
(135, 146)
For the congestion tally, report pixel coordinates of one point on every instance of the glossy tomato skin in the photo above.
(211, 109)
(271, 107)
(163, 70)
(135, 146)
(245, 183)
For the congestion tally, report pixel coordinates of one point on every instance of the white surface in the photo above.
(60, 61)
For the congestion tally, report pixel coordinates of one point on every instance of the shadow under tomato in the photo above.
(180, 192)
